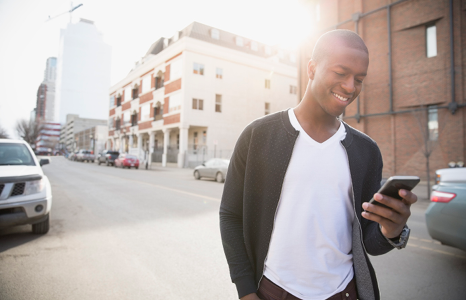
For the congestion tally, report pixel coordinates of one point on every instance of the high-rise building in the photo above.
(45, 103)
(83, 72)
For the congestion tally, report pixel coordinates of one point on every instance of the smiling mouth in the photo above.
(340, 97)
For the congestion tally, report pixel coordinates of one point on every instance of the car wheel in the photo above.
(197, 176)
(108, 164)
(99, 162)
(42, 227)
(136, 168)
(219, 177)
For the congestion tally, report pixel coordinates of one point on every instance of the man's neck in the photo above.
(319, 127)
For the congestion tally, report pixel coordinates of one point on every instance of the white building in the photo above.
(75, 124)
(191, 95)
(83, 72)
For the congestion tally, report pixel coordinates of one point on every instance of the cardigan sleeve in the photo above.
(374, 241)
(231, 219)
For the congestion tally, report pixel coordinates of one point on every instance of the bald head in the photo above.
(333, 38)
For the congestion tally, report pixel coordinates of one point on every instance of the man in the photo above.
(291, 216)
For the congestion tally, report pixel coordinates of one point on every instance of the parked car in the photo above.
(107, 157)
(72, 156)
(85, 155)
(213, 168)
(127, 161)
(25, 192)
(446, 214)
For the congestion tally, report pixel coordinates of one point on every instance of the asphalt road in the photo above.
(137, 234)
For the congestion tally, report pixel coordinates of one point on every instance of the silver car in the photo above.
(215, 168)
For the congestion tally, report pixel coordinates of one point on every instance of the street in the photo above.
(154, 234)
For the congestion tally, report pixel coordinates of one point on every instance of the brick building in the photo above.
(413, 99)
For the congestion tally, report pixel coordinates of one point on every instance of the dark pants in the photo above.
(270, 291)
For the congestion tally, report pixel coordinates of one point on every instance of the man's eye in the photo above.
(339, 74)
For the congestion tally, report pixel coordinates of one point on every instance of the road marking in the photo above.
(435, 250)
(169, 189)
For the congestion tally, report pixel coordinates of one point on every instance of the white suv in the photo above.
(25, 192)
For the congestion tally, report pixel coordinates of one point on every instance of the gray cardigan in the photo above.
(252, 190)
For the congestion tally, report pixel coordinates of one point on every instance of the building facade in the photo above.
(191, 95)
(45, 102)
(413, 98)
(73, 125)
(93, 138)
(83, 72)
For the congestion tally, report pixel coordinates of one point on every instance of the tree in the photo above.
(428, 138)
(3, 134)
(28, 131)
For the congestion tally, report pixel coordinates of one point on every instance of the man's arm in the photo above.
(231, 220)
(391, 220)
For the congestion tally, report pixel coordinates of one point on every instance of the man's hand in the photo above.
(252, 296)
(392, 220)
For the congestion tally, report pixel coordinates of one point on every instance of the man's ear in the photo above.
(311, 68)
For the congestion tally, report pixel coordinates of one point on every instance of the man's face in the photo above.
(337, 78)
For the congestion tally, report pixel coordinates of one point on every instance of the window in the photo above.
(110, 124)
(198, 104)
(293, 89)
(118, 100)
(433, 123)
(239, 41)
(198, 69)
(431, 41)
(268, 50)
(195, 140)
(126, 118)
(281, 54)
(128, 94)
(146, 84)
(267, 108)
(135, 92)
(218, 103)
(175, 69)
(215, 34)
(134, 119)
(145, 112)
(267, 83)
(174, 103)
(117, 124)
(219, 73)
(254, 46)
(204, 137)
(112, 101)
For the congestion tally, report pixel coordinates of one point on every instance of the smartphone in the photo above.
(393, 185)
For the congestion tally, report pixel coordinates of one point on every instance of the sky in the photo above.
(130, 27)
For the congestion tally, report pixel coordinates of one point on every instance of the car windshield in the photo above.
(15, 154)
(113, 153)
(131, 156)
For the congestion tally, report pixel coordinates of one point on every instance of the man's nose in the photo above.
(348, 85)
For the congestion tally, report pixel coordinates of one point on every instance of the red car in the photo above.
(127, 161)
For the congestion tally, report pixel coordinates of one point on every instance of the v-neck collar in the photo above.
(335, 137)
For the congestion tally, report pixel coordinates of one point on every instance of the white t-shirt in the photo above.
(310, 249)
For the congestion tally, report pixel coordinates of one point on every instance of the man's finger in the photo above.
(383, 212)
(408, 197)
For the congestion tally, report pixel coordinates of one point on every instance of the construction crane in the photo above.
(66, 12)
